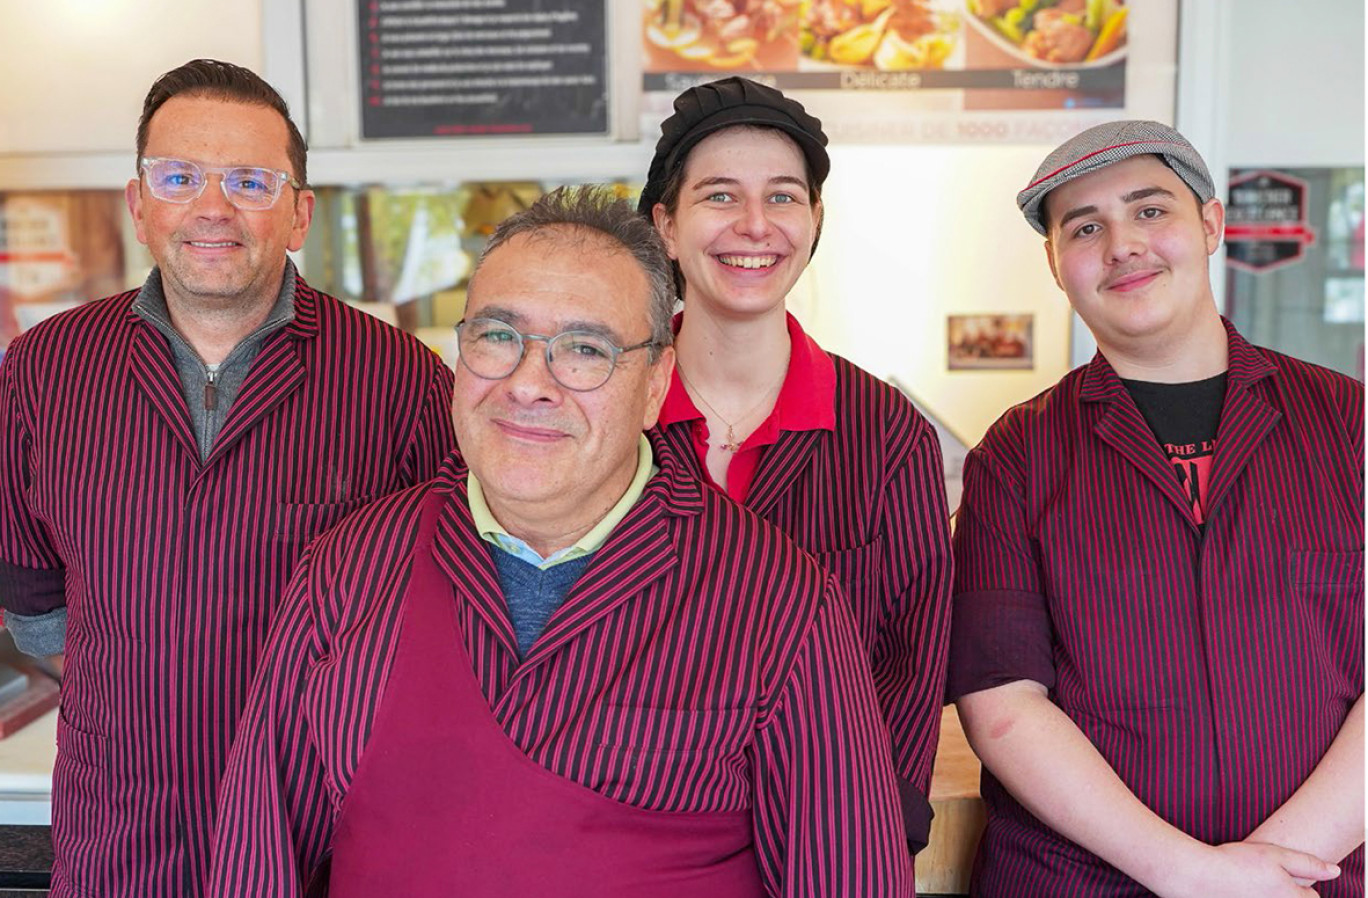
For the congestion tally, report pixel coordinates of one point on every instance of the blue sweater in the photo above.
(533, 594)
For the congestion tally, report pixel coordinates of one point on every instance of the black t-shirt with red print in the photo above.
(1185, 418)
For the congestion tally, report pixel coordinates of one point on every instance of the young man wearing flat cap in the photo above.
(1157, 638)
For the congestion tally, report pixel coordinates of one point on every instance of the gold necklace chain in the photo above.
(731, 444)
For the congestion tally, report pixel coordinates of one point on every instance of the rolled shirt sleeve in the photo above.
(1000, 625)
(32, 578)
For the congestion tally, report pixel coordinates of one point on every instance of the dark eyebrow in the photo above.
(1132, 197)
(713, 182)
(722, 180)
(1076, 213)
(1146, 192)
(499, 313)
(595, 328)
(515, 320)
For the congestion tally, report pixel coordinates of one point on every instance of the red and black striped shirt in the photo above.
(171, 568)
(1211, 667)
(700, 664)
(867, 499)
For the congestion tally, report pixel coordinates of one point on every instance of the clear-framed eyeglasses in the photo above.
(578, 360)
(245, 186)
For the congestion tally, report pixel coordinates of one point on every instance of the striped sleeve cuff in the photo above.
(31, 591)
(998, 637)
(917, 815)
(38, 635)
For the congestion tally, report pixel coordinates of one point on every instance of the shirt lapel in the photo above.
(154, 371)
(465, 559)
(1246, 418)
(1120, 425)
(781, 464)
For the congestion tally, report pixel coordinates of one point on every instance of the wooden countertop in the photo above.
(943, 866)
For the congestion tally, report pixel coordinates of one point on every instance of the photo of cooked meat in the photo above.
(1056, 32)
(688, 35)
(884, 34)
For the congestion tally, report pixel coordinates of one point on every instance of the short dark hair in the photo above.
(599, 210)
(222, 81)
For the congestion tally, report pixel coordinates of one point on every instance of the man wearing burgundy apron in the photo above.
(1157, 641)
(568, 668)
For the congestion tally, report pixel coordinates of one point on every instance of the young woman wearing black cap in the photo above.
(835, 457)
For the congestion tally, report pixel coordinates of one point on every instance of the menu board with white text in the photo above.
(445, 68)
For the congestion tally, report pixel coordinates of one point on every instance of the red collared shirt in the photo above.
(807, 401)
(864, 492)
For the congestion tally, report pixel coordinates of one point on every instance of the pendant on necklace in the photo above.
(732, 443)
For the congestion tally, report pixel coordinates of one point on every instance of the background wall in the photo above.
(912, 233)
(75, 71)
(1295, 84)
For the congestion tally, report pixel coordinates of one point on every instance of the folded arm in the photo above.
(1048, 764)
(1324, 816)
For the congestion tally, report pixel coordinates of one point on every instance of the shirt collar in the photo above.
(491, 531)
(807, 399)
(1245, 364)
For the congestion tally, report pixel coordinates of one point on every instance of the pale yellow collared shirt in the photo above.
(491, 531)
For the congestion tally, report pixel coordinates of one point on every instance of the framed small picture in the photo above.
(990, 342)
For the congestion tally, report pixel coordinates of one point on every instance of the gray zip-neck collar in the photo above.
(151, 306)
(210, 390)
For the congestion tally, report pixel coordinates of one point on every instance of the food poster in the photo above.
(57, 249)
(967, 54)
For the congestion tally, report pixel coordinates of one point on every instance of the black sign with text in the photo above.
(443, 68)
(1266, 225)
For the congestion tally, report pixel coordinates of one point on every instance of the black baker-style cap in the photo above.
(701, 110)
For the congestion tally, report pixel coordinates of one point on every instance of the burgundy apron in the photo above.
(443, 803)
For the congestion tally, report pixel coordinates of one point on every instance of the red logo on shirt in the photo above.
(1192, 464)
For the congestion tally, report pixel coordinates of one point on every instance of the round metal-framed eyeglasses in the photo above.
(578, 360)
(245, 186)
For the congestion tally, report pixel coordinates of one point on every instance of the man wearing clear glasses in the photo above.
(165, 456)
(569, 669)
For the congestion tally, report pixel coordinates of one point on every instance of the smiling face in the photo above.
(213, 255)
(1129, 245)
(547, 456)
(743, 226)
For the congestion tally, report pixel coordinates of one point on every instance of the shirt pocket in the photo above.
(80, 787)
(1327, 590)
(684, 760)
(859, 573)
(298, 523)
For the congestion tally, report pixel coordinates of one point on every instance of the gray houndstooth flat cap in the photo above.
(1103, 145)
